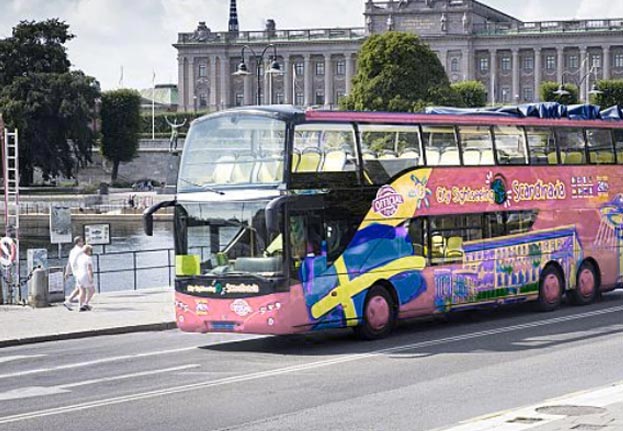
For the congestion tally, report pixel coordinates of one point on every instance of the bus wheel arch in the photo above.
(588, 282)
(551, 287)
(380, 311)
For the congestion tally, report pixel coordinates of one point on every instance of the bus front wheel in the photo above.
(550, 289)
(586, 286)
(379, 315)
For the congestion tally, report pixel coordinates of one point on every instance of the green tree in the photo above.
(398, 72)
(52, 107)
(611, 93)
(121, 126)
(473, 94)
(547, 91)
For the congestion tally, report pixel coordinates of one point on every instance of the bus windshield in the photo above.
(229, 237)
(232, 149)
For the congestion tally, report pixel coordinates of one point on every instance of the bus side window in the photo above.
(510, 145)
(541, 143)
(571, 145)
(618, 142)
(441, 145)
(600, 148)
(476, 145)
(418, 235)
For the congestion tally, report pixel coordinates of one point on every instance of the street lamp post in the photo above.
(243, 70)
(584, 80)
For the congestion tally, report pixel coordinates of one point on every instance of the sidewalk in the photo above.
(113, 313)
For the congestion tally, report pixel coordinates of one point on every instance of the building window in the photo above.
(340, 68)
(572, 62)
(454, 65)
(279, 98)
(596, 60)
(527, 94)
(299, 69)
(484, 64)
(320, 68)
(506, 64)
(528, 63)
(203, 70)
(339, 95)
(299, 98)
(618, 60)
(239, 99)
(203, 101)
(550, 62)
(506, 95)
(319, 98)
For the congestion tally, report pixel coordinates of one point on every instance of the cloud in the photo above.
(600, 9)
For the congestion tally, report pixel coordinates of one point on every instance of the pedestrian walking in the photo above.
(70, 270)
(84, 278)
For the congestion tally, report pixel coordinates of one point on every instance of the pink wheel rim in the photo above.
(377, 313)
(551, 288)
(586, 283)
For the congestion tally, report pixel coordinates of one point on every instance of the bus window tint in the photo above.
(618, 145)
(571, 145)
(510, 144)
(476, 145)
(542, 145)
(388, 149)
(323, 148)
(440, 145)
(600, 148)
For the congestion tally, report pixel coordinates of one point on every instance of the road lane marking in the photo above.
(18, 358)
(507, 420)
(296, 368)
(38, 391)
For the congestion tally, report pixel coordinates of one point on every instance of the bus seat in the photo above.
(334, 161)
(437, 246)
(368, 154)
(270, 170)
(471, 157)
(602, 157)
(310, 160)
(620, 157)
(574, 158)
(243, 170)
(552, 158)
(410, 154)
(486, 158)
(432, 156)
(296, 158)
(388, 155)
(224, 169)
(455, 247)
(450, 157)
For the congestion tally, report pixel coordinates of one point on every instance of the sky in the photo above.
(136, 36)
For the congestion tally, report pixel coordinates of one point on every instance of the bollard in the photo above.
(38, 289)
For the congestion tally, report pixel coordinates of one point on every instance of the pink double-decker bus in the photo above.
(289, 221)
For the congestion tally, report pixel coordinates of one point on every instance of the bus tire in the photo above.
(379, 315)
(586, 286)
(551, 287)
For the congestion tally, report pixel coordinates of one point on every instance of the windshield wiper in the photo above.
(203, 188)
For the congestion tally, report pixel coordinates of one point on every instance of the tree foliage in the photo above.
(611, 93)
(473, 94)
(52, 107)
(121, 126)
(398, 72)
(547, 91)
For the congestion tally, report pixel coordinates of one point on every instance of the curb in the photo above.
(163, 326)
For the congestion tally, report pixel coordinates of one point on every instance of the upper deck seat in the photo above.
(574, 158)
(471, 157)
(244, 169)
(223, 170)
(310, 160)
(270, 168)
(368, 154)
(450, 157)
(486, 157)
(334, 161)
(432, 156)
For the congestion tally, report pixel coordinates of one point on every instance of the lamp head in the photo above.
(242, 69)
(275, 68)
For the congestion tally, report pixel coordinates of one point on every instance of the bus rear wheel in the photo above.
(586, 286)
(379, 315)
(550, 289)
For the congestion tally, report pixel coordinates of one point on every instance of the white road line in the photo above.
(507, 420)
(293, 369)
(19, 358)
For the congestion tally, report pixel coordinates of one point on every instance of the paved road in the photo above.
(429, 374)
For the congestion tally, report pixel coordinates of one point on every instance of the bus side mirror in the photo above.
(273, 212)
(148, 215)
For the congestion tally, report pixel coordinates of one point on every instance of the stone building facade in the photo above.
(473, 41)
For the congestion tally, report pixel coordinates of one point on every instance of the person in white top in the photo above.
(84, 277)
(70, 269)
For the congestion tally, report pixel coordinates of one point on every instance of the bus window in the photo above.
(600, 148)
(441, 146)
(618, 142)
(389, 149)
(510, 144)
(324, 148)
(448, 234)
(418, 235)
(476, 145)
(542, 145)
(571, 145)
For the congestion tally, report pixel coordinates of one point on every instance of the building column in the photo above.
(584, 68)
(181, 83)
(287, 81)
(249, 97)
(213, 101)
(492, 75)
(308, 84)
(192, 101)
(516, 78)
(225, 82)
(560, 65)
(537, 74)
(606, 61)
(350, 69)
(328, 80)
